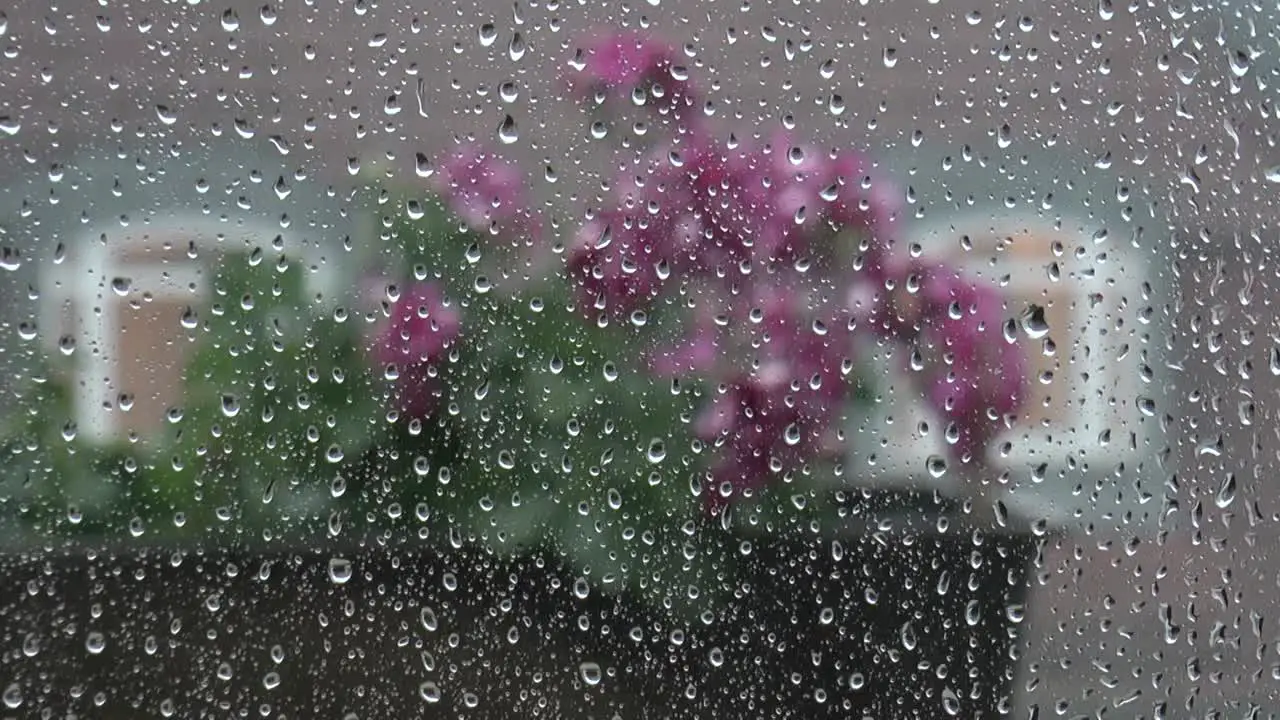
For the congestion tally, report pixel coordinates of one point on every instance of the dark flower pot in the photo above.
(897, 626)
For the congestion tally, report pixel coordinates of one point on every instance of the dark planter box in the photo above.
(895, 627)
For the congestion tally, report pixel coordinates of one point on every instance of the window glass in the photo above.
(884, 360)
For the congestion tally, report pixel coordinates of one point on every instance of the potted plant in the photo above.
(664, 396)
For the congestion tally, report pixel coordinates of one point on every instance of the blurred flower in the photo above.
(779, 414)
(974, 376)
(885, 298)
(620, 63)
(816, 188)
(480, 187)
(421, 328)
(736, 204)
(696, 352)
(614, 263)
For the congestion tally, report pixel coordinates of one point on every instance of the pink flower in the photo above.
(816, 187)
(976, 376)
(614, 264)
(696, 352)
(480, 187)
(779, 414)
(421, 328)
(732, 194)
(617, 63)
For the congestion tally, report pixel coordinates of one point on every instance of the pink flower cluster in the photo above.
(482, 188)
(631, 67)
(782, 252)
(705, 208)
(412, 343)
(971, 372)
(758, 234)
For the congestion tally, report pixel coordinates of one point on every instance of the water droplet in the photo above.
(340, 570)
(1034, 323)
(10, 125)
(422, 166)
(657, 451)
(338, 486)
(1226, 491)
(488, 33)
(792, 434)
(1273, 174)
(972, 613)
(908, 635)
(590, 672)
(506, 460)
(1146, 406)
(95, 643)
(937, 466)
(429, 691)
(1240, 63)
(1004, 136)
(11, 258)
(230, 405)
(427, 617)
(516, 49)
(13, 696)
(271, 680)
(508, 133)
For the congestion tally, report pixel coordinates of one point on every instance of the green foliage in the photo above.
(549, 434)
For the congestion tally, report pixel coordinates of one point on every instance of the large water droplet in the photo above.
(1226, 491)
(908, 635)
(590, 673)
(792, 434)
(508, 133)
(13, 696)
(340, 570)
(429, 691)
(517, 47)
(230, 405)
(657, 451)
(427, 617)
(1034, 323)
